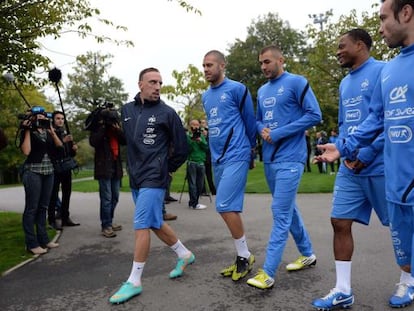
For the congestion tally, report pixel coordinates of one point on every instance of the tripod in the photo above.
(205, 184)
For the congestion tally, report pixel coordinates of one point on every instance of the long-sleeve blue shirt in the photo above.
(228, 121)
(391, 111)
(288, 106)
(355, 92)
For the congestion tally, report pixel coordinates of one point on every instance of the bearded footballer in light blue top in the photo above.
(359, 185)
(286, 107)
(232, 139)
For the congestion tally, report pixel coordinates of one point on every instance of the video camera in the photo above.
(104, 115)
(196, 133)
(35, 122)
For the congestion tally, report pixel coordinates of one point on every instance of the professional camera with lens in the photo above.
(104, 115)
(35, 122)
(196, 133)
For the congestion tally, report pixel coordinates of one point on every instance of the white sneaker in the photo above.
(200, 206)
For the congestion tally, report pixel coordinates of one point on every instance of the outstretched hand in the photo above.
(329, 153)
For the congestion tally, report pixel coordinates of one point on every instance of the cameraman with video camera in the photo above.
(39, 142)
(106, 137)
(195, 165)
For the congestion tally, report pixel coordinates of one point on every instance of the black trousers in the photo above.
(62, 180)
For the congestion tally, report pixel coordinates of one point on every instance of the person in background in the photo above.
(207, 163)
(286, 107)
(332, 139)
(308, 152)
(62, 178)
(232, 140)
(197, 145)
(38, 141)
(108, 167)
(156, 145)
(357, 192)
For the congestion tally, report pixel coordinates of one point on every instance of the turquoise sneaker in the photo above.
(126, 292)
(182, 263)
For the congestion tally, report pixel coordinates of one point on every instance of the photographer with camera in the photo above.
(106, 137)
(39, 142)
(63, 175)
(195, 165)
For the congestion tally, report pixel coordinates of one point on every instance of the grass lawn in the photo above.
(12, 245)
(313, 182)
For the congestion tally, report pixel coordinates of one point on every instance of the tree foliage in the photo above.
(23, 22)
(242, 58)
(321, 66)
(90, 86)
(12, 105)
(190, 84)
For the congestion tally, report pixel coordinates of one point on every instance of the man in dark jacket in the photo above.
(106, 140)
(151, 128)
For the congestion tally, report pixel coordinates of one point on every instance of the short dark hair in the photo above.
(57, 112)
(360, 34)
(273, 48)
(146, 70)
(220, 56)
(397, 6)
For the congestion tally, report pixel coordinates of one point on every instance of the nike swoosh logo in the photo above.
(385, 79)
(126, 119)
(338, 301)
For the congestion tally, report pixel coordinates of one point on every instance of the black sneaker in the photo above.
(243, 266)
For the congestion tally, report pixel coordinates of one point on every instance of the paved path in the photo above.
(87, 268)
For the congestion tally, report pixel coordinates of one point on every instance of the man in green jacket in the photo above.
(195, 165)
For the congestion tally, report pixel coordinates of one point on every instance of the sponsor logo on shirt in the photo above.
(268, 115)
(397, 94)
(269, 102)
(353, 101)
(353, 115)
(400, 134)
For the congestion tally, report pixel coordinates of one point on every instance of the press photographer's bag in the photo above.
(65, 165)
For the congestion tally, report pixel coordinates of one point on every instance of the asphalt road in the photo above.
(87, 268)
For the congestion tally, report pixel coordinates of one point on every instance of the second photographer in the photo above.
(63, 163)
(106, 137)
(195, 165)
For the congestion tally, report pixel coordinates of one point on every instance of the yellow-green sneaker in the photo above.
(228, 271)
(261, 280)
(302, 262)
(243, 266)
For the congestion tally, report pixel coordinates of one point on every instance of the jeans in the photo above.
(195, 176)
(109, 196)
(38, 189)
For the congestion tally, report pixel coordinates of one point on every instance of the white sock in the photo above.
(180, 250)
(343, 276)
(241, 247)
(406, 278)
(136, 272)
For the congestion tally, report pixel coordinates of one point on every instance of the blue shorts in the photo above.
(402, 229)
(148, 208)
(355, 197)
(230, 179)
